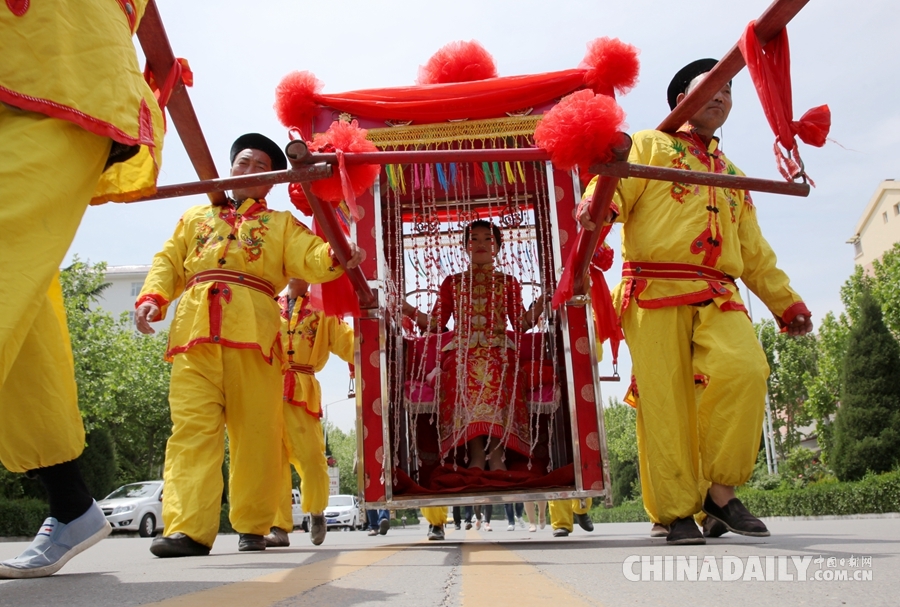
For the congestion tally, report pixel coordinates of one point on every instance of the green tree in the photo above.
(792, 364)
(343, 449)
(824, 387)
(620, 421)
(867, 424)
(98, 463)
(121, 375)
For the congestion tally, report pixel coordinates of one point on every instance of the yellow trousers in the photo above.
(213, 387)
(48, 171)
(435, 515)
(675, 432)
(304, 447)
(562, 512)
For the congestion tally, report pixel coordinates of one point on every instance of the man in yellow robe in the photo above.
(78, 124)
(309, 337)
(563, 513)
(227, 263)
(683, 248)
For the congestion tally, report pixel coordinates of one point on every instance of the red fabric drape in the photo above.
(441, 102)
(770, 70)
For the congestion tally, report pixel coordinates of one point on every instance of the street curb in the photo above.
(833, 517)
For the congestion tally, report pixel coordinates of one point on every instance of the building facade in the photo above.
(879, 226)
(125, 284)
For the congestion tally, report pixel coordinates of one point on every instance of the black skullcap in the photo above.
(255, 141)
(684, 77)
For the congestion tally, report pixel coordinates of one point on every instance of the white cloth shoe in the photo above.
(56, 543)
(511, 528)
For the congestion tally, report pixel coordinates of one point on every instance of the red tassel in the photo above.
(346, 137)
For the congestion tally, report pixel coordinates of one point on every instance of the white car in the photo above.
(343, 511)
(301, 519)
(135, 507)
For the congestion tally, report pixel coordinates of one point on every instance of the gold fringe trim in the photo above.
(453, 132)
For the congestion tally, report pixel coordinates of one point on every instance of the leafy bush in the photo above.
(629, 512)
(224, 521)
(873, 494)
(21, 518)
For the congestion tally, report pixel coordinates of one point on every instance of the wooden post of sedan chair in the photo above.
(298, 155)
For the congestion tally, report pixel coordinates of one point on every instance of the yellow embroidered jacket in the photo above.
(228, 264)
(678, 229)
(75, 60)
(308, 338)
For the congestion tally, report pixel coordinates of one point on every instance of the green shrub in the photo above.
(21, 518)
(629, 512)
(873, 494)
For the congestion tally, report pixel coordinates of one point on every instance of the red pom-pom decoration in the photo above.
(579, 130)
(295, 99)
(611, 65)
(347, 137)
(458, 62)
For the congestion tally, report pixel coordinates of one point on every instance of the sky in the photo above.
(844, 54)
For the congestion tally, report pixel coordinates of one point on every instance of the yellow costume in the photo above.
(72, 101)
(562, 512)
(435, 515)
(309, 337)
(227, 264)
(683, 246)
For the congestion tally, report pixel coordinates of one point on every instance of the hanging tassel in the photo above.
(510, 176)
(521, 168)
(442, 178)
(498, 179)
(402, 178)
(427, 180)
(488, 176)
(416, 184)
(453, 173)
(392, 181)
(478, 174)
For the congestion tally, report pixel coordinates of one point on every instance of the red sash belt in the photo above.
(235, 278)
(304, 369)
(662, 270)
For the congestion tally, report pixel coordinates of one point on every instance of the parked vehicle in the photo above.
(300, 518)
(135, 507)
(343, 511)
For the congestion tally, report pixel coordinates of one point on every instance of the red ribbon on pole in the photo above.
(770, 70)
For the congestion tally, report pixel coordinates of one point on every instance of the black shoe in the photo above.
(468, 525)
(736, 518)
(277, 538)
(250, 542)
(383, 526)
(584, 521)
(560, 532)
(713, 528)
(435, 532)
(684, 531)
(175, 545)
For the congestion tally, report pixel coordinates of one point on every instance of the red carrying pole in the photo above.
(772, 21)
(161, 59)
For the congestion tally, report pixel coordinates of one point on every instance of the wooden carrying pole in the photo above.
(772, 21)
(161, 59)
(297, 154)
(321, 164)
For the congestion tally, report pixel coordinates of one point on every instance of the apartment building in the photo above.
(879, 226)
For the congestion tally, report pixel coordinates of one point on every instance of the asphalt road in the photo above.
(500, 568)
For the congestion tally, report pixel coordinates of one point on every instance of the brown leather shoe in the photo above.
(175, 545)
(251, 542)
(317, 529)
(658, 530)
(277, 538)
(713, 528)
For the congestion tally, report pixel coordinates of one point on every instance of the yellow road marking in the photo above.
(281, 585)
(494, 575)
